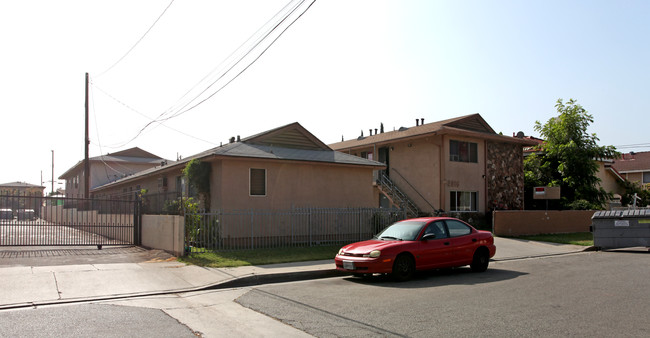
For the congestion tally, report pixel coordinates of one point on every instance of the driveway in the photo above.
(12, 256)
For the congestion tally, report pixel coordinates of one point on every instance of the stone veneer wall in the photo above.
(505, 176)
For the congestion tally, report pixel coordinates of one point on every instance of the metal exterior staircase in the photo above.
(396, 196)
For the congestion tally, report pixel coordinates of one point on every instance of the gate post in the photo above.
(137, 220)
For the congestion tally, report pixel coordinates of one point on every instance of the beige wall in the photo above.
(424, 164)
(100, 174)
(608, 181)
(461, 176)
(164, 232)
(291, 184)
(152, 183)
(633, 177)
(534, 222)
(418, 163)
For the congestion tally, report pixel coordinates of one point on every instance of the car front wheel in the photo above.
(403, 268)
(480, 261)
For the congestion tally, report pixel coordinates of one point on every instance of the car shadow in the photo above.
(440, 277)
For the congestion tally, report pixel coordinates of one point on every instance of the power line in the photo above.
(259, 40)
(255, 43)
(92, 96)
(230, 57)
(137, 42)
(119, 145)
(245, 68)
(634, 145)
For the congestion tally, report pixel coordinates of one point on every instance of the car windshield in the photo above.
(406, 231)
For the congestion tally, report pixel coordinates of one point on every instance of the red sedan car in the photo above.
(419, 244)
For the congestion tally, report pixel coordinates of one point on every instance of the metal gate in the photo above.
(53, 221)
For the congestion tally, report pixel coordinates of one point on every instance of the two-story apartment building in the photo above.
(458, 165)
(635, 167)
(108, 168)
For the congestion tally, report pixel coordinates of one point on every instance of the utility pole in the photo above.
(86, 143)
(52, 172)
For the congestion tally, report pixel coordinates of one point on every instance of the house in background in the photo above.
(21, 189)
(108, 168)
(634, 167)
(21, 195)
(610, 180)
(458, 165)
(610, 177)
(279, 169)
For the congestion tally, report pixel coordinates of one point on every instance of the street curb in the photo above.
(235, 282)
(274, 278)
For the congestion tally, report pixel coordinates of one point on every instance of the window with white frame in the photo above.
(463, 201)
(257, 182)
(461, 151)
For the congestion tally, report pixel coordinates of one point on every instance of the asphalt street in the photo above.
(595, 294)
(531, 288)
(91, 320)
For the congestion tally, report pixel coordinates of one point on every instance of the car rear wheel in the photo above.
(403, 268)
(480, 261)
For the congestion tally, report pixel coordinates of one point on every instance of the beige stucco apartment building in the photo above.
(635, 167)
(279, 169)
(108, 168)
(458, 165)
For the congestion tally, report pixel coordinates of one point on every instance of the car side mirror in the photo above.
(428, 236)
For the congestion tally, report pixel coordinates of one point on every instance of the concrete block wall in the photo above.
(535, 222)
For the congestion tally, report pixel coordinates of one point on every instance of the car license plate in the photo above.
(348, 265)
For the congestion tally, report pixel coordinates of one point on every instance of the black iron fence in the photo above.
(164, 203)
(28, 220)
(256, 229)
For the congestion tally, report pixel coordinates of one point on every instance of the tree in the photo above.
(633, 189)
(198, 176)
(569, 158)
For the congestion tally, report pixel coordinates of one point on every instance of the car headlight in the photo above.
(340, 251)
(373, 254)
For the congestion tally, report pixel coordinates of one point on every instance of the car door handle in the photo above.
(446, 243)
(474, 239)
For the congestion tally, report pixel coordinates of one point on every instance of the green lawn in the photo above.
(576, 238)
(224, 259)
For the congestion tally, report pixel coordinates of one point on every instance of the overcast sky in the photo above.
(343, 67)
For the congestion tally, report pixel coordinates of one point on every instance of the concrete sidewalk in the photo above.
(28, 286)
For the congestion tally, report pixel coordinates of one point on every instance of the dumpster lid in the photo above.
(632, 213)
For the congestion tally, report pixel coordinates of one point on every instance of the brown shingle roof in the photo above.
(472, 124)
(633, 162)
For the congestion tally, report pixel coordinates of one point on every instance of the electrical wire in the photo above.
(231, 56)
(106, 165)
(282, 19)
(137, 42)
(638, 145)
(240, 72)
(120, 145)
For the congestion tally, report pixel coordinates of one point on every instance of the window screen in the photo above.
(258, 182)
(463, 201)
(461, 151)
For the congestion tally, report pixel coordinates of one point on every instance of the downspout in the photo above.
(485, 177)
(443, 203)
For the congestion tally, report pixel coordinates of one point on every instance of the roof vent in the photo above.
(403, 128)
(232, 140)
(520, 134)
